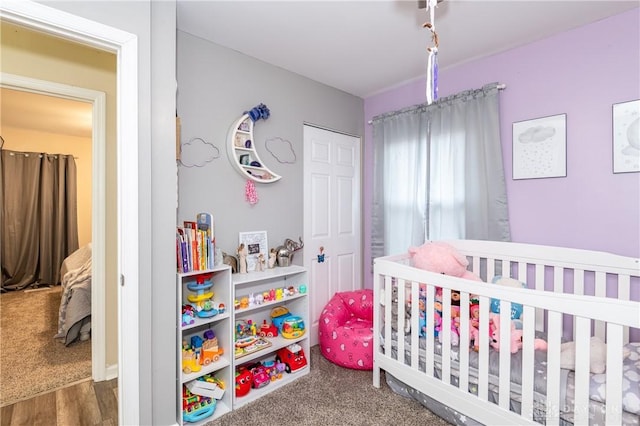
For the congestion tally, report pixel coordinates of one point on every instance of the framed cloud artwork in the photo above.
(540, 147)
(626, 137)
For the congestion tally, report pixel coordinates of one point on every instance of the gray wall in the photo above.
(157, 191)
(215, 86)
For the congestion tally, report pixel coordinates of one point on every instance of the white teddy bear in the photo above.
(598, 361)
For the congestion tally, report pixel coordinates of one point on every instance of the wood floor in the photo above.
(82, 404)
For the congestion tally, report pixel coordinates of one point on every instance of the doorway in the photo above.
(124, 45)
(43, 92)
(332, 216)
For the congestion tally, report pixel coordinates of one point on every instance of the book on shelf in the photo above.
(181, 251)
(195, 243)
(205, 224)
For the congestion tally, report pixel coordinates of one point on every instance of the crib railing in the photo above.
(559, 270)
(545, 310)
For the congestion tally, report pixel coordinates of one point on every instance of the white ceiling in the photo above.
(361, 47)
(364, 47)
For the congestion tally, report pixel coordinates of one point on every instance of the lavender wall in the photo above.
(581, 73)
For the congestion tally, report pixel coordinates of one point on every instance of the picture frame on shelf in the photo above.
(539, 147)
(256, 243)
(626, 136)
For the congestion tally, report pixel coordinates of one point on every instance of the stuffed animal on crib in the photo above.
(516, 308)
(597, 351)
(455, 324)
(441, 258)
(474, 326)
(516, 337)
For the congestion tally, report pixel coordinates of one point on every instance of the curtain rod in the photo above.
(27, 154)
(500, 86)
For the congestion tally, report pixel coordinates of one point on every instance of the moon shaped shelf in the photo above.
(243, 155)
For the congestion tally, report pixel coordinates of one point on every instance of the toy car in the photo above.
(260, 377)
(268, 330)
(292, 357)
(190, 362)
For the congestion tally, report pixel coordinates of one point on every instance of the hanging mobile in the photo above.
(432, 58)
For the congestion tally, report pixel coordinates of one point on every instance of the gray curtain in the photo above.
(438, 173)
(39, 217)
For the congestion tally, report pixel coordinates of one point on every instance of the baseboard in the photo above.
(111, 372)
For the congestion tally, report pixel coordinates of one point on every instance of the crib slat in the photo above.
(387, 314)
(401, 318)
(522, 272)
(463, 379)
(445, 333)
(553, 367)
(475, 262)
(600, 291)
(415, 326)
(483, 351)
(504, 377)
(558, 279)
(501, 269)
(582, 376)
(491, 269)
(624, 293)
(430, 326)
(528, 332)
(578, 279)
(539, 285)
(614, 374)
(578, 289)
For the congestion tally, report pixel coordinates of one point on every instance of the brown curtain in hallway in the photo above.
(39, 220)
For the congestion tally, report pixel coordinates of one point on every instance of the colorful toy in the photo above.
(516, 337)
(195, 407)
(260, 377)
(274, 369)
(243, 382)
(516, 308)
(292, 357)
(244, 302)
(190, 362)
(293, 327)
(278, 315)
(268, 330)
(202, 297)
(441, 258)
(188, 314)
(211, 352)
(246, 339)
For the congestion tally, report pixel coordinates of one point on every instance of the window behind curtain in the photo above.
(438, 173)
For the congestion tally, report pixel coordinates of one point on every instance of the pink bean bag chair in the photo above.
(346, 329)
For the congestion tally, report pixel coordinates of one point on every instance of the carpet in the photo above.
(331, 395)
(31, 360)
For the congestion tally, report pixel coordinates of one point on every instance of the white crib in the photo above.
(571, 295)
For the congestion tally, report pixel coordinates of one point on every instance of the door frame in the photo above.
(125, 45)
(99, 370)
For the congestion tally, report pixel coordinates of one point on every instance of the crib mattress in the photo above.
(631, 383)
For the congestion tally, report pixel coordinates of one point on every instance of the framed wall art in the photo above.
(540, 147)
(626, 137)
(254, 243)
